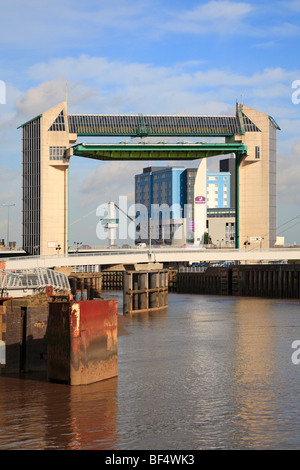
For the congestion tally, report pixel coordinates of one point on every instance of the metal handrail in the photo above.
(105, 252)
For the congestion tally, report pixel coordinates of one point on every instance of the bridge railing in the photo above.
(193, 269)
(121, 251)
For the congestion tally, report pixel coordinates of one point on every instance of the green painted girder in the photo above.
(156, 151)
(143, 131)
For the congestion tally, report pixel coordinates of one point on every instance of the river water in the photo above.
(208, 373)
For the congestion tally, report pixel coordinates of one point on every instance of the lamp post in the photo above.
(8, 206)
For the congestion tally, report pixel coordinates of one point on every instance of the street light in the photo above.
(8, 206)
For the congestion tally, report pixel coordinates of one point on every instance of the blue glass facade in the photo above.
(167, 194)
(174, 186)
(157, 186)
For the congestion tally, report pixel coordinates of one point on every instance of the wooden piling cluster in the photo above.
(172, 280)
(263, 280)
(275, 281)
(145, 290)
(112, 280)
(89, 282)
(214, 280)
(2, 335)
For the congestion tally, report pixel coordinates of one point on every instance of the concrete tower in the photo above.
(45, 182)
(256, 180)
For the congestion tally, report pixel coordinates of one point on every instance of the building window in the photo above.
(59, 123)
(257, 152)
(56, 153)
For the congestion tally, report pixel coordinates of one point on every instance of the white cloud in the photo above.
(109, 181)
(115, 86)
(40, 98)
(288, 175)
(213, 17)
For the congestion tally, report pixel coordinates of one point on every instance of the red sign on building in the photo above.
(200, 200)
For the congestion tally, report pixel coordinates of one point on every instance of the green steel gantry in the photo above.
(156, 151)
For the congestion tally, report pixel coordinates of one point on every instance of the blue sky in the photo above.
(146, 56)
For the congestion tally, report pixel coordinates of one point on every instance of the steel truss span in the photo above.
(145, 125)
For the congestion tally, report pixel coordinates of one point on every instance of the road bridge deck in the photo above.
(108, 257)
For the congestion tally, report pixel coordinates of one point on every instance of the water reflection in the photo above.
(256, 365)
(210, 372)
(39, 415)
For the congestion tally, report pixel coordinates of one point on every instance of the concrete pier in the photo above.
(82, 341)
(145, 290)
(67, 341)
